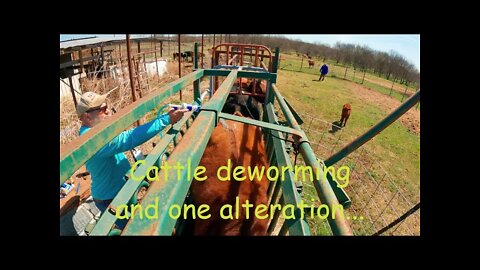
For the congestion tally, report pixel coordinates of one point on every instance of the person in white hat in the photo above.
(109, 165)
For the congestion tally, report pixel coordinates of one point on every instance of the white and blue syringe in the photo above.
(190, 107)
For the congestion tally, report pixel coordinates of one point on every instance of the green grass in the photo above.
(395, 148)
(386, 91)
(317, 226)
(294, 63)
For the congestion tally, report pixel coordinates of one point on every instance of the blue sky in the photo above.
(406, 45)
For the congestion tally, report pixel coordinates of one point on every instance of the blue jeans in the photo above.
(103, 206)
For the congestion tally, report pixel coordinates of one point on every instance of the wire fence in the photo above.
(394, 89)
(381, 205)
(114, 77)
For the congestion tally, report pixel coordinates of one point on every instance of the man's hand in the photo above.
(176, 115)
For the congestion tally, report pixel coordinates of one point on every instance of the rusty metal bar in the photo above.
(179, 64)
(168, 50)
(146, 73)
(130, 71)
(156, 60)
(195, 55)
(136, 63)
(228, 54)
(196, 84)
(246, 53)
(202, 52)
(242, 53)
(103, 56)
(73, 91)
(80, 57)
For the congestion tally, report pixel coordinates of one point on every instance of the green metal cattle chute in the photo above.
(192, 145)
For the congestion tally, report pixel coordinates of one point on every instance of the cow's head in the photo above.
(247, 106)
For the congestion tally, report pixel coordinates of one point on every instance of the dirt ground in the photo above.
(396, 86)
(411, 119)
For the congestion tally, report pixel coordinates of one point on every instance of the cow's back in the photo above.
(243, 145)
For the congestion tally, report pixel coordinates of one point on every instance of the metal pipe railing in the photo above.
(339, 224)
(281, 158)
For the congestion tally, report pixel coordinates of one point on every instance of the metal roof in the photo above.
(87, 41)
(96, 41)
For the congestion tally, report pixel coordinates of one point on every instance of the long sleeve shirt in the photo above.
(109, 165)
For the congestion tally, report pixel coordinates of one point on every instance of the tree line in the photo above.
(391, 65)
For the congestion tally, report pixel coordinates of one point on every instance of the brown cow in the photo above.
(243, 83)
(311, 63)
(243, 144)
(248, 85)
(260, 88)
(346, 110)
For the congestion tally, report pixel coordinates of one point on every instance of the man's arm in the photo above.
(136, 136)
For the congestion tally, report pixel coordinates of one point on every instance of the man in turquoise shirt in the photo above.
(109, 165)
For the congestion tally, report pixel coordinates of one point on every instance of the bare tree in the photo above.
(390, 65)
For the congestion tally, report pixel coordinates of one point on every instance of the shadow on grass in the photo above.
(335, 127)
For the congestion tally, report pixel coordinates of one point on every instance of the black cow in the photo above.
(188, 56)
(248, 106)
(183, 55)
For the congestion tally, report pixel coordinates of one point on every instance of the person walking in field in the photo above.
(323, 72)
